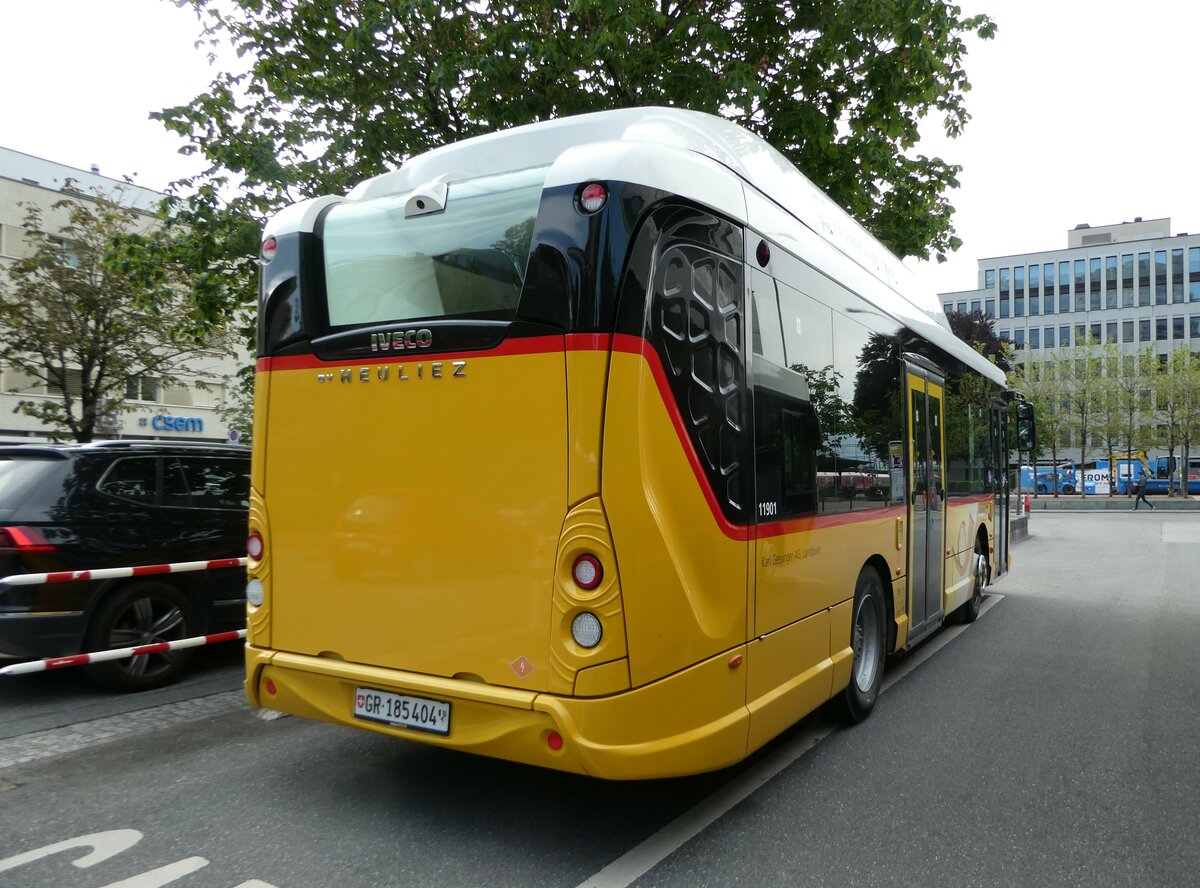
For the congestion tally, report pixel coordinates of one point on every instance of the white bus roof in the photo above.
(742, 152)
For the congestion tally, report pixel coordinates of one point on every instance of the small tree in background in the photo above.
(84, 313)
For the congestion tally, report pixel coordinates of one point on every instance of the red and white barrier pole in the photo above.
(111, 573)
(120, 653)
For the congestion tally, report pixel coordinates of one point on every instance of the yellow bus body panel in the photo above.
(425, 545)
(618, 738)
(683, 579)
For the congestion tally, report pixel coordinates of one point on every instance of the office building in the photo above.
(1132, 283)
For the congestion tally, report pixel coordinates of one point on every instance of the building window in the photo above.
(962, 308)
(1177, 328)
(1127, 297)
(1033, 279)
(1019, 280)
(1003, 283)
(1048, 276)
(949, 307)
(141, 388)
(1005, 335)
(1177, 264)
(1080, 334)
(1019, 305)
(1144, 294)
(1048, 337)
(1127, 269)
(1064, 337)
(1144, 330)
(989, 279)
(1143, 268)
(1034, 303)
(1064, 299)
(1177, 291)
(1160, 266)
(1097, 333)
(1160, 294)
(1194, 326)
(1035, 337)
(1193, 260)
(1160, 329)
(1193, 291)
(976, 306)
(989, 307)
(73, 383)
(1018, 339)
(1127, 331)
(1110, 331)
(1003, 308)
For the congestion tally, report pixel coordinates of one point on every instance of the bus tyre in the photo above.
(868, 638)
(141, 613)
(979, 576)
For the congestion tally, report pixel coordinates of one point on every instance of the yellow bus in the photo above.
(539, 420)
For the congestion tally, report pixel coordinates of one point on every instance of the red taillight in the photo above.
(593, 197)
(255, 545)
(587, 572)
(24, 539)
(268, 249)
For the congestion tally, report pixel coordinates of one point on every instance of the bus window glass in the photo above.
(467, 261)
(807, 330)
(767, 337)
(785, 455)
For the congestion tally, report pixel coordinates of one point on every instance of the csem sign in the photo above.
(177, 424)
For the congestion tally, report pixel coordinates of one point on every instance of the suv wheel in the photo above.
(142, 613)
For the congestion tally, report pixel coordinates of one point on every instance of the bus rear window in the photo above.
(467, 261)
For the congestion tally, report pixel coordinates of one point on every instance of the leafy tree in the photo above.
(1182, 378)
(84, 313)
(1083, 387)
(1043, 383)
(976, 330)
(1109, 417)
(1132, 383)
(334, 92)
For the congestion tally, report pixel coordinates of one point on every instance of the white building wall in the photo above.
(185, 412)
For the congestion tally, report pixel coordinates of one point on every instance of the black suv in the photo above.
(120, 504)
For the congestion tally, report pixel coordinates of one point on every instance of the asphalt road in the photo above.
(1051, 743)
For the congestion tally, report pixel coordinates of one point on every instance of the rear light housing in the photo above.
(592, 198)
(255, 547)
(587, 572)
(269, 246)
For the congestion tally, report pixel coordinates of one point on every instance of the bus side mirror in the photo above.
(1026, 427)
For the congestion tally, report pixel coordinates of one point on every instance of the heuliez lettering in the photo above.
(399, 372)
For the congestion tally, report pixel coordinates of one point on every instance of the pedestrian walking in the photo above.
(1139, 487)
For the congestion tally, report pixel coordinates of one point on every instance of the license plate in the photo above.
(396, 709)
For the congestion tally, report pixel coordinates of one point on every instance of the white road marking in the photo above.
(103, 845)
(639, 860)
(164, 875)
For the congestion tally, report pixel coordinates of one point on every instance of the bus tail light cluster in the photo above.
(593, 197)
(255, 546)
(587, 572)
(269, 246)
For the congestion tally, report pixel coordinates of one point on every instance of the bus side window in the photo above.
(786, 440)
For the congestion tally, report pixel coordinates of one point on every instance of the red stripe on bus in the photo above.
(816, 522)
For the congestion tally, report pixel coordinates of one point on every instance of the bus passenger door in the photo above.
(999, 559)
(926, 495)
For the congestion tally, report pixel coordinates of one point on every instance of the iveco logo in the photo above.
(398, 340)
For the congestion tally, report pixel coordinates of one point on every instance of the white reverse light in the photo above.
(586, 630)
(254, 592)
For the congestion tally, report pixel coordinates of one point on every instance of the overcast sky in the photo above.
(1083, 111)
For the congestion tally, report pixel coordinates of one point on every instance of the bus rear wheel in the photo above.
(979, 577)
(868, 640)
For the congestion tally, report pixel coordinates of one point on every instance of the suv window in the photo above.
(217, 483)
(133, 479)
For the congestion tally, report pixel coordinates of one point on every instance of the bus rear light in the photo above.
(269, 246)
(554, 740)
(593, 197)
(255, 545)
(24, 539)
(586, 630)
(270, 687)
(255, 592)
(587, 572)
